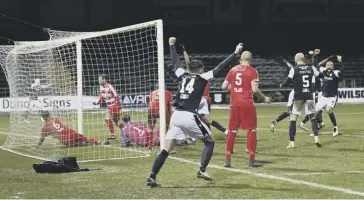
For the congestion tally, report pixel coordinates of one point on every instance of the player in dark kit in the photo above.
(185, 120)
(330, 85)
(302, 76)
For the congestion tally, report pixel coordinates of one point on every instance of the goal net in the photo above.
(64, 73)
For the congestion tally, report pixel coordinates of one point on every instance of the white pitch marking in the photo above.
(280, 178)
(321, 173)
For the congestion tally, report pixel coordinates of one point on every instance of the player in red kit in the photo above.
(243, 83)
(54, 127)
(110, 97)
(153, 112)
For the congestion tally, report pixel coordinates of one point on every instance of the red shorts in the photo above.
(243, 116)
(153, 115)
(114, 110)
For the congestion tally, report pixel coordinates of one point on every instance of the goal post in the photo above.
(132, 58)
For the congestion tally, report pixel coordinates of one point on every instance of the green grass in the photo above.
(340, 163)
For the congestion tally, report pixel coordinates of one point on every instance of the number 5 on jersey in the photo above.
(305, 81)
(187, 85)
(238, 82)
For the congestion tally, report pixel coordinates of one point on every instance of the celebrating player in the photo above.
(331, 79)
(284, 115)
(302, 76)
(138, 133)
(54, 127)
(153, 109)
(109, 96)
(35, 102)
(204, 108)
(185, 120)
(243, 82)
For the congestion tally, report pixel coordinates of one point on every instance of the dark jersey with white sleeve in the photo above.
(38, 90)
(190, 89)
(191, 86)
(302, 77)
(331, 79)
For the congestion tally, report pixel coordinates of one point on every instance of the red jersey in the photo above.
(240, 78)
(108, 95)
(138, 133)
(55, 128)
(154, 100)
(206, 92)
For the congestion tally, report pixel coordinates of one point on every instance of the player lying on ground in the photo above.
(109, 96)
(185, 120)
(330, 86)
(138, 133)
(242, 82)
(53, 126)
(205, 105)
(153, 109)
(302, 77)
(35, 102)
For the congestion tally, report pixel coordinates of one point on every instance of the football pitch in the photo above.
(334, 171)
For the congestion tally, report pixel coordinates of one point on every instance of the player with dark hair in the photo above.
(302, 77)
(204, 108)
(35, 101)
(285, 114)
(185, 120)
(110, 97)
(153, 109)
(53, 126)
(242, 82)
(330, 85)
(138, 133)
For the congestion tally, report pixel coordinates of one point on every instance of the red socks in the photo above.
(110, 124)
(252, 144)
(230, 141)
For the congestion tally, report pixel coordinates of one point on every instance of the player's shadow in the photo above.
(231, 187)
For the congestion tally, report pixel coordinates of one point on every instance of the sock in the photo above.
(230, 144)
(319, 117)
(282, 116)
(252, 143)
(218, 126)
(305, 120)
(292, 130)
(314, 125)
(150, 140)
(333, 119)
(158, 163)
(247, 140)
(110, 124)
(207, 152)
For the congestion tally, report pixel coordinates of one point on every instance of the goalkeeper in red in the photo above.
(110, 97)
(242, 81)
(54, 127)
(153, 109)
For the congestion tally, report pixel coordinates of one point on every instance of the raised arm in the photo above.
(186, 57)
(289, 78)
(224, 64)
(177, 64)
(339, 73)
(288, 63)
(324, 61)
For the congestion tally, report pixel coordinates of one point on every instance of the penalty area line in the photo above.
(279, 178)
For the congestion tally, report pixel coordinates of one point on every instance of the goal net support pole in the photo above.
(79, 87)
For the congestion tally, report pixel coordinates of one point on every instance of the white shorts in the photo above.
(317, 96)
(203, 108)
(325, 102)
(299, 105)
(36, 105)
(290, 98)
(186, 124)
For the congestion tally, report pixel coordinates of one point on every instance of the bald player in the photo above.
(242, 82)
(302, 76)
